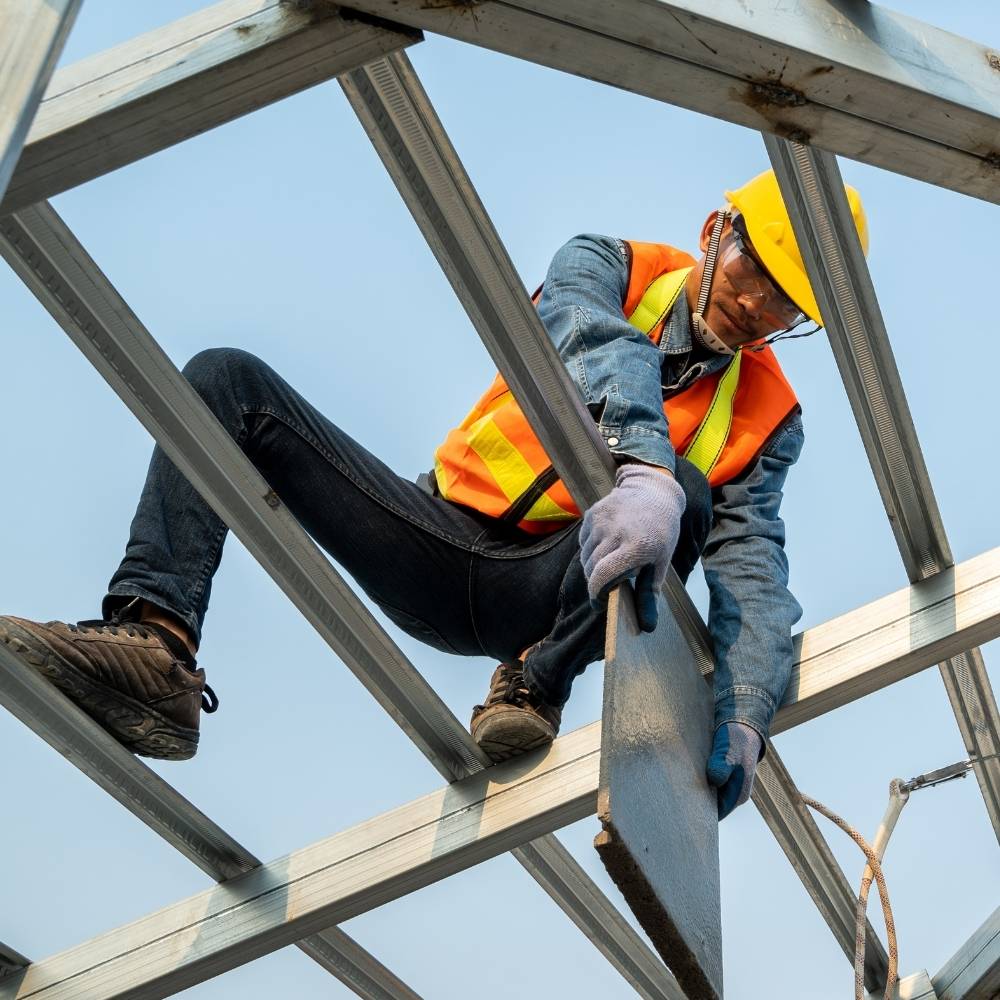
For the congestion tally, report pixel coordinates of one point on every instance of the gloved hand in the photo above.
(731, 767)
(632, 532)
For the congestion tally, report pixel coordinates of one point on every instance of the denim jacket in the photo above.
(624, 377)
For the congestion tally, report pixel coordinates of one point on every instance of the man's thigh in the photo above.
(409, 551)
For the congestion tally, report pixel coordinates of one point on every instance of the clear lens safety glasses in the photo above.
(750, 281)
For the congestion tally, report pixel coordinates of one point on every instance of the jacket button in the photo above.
(612, 442)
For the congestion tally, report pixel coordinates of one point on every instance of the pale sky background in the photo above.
(278, 233)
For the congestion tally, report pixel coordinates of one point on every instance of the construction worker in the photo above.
(488, 555)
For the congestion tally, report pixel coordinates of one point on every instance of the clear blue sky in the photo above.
(277, 233)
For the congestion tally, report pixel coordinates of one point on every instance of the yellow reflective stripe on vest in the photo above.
(709, 440)
(707, 444)
(509, 469)
(658, 299)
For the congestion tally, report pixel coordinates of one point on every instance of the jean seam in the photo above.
(218, 540)
(206, 569)
(345, 471)
(472, 612)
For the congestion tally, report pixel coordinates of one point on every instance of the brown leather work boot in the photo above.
(135, 679)
(513, 720)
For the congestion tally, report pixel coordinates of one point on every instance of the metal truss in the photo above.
(814, 193)
(850, 81)
(42, 250)
(407, 134)
(414, 845)
(465, 822)
(33, 35)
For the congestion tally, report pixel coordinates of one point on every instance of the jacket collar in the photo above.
(676, 339)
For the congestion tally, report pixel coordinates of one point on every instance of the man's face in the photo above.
(743, 304)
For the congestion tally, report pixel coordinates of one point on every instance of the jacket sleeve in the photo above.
(751, 611)
(615, 366)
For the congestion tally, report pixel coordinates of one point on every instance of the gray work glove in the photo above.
(632, 532)
(735, 755)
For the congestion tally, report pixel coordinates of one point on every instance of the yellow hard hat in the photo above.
(760, 203)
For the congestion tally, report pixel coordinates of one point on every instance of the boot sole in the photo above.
(503, 733)
(138, 727)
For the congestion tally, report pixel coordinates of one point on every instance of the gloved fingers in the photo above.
(605, 567)
(747, 788)
(646, 592)
(734, 792)
(719, 768)
(599, 597)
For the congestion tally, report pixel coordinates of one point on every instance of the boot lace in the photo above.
(113, 627)
(510, 688)
(209, 699)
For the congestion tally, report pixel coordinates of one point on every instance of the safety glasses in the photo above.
(747, 275)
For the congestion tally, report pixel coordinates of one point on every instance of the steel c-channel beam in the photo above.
(32, 34)
(858, 79)
(814, 195)
(180, 80)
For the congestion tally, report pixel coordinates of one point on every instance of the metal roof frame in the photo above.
(947, 140)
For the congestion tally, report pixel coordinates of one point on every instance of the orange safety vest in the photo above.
(494, 463)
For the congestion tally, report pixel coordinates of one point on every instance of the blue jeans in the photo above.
(447, 575)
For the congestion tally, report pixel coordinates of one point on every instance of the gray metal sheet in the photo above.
(660, 841)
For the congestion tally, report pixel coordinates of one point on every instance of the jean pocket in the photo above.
(419, 629)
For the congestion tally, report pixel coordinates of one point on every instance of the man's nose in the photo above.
(751, 305)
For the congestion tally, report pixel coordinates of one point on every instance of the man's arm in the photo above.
(751, 611)
(615, 366)
(632, 532)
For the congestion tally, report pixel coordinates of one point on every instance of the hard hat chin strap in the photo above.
(703, 333)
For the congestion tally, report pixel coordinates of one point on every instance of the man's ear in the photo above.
(706, 230)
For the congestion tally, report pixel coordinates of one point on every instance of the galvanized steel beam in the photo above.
(561, 876)
(414, 845)
(806, 848)
(11, 961)
(44, 709)
(55, 266)
(814, 194)
(891, 638)
(32, 34)
(973, 972)
(404, 128)
(853, 78)
(916, 987)
(178, 81)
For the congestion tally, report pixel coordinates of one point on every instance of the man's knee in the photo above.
(221, 366)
